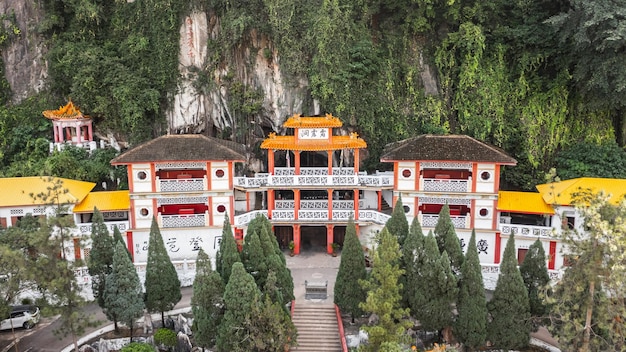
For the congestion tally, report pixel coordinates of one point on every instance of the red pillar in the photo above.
(270, 161)
(552, 256)
(356, 204)
(380, 200)
(296, 154)
(270, 202)
(496, 252)
(356, 161)
(330, 161)
(330, 204)
(296, 202)
(296, 239)
(90, 131)
(247, 201)
(129, 244)
(330, 238)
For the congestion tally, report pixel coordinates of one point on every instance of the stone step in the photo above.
(317, 329)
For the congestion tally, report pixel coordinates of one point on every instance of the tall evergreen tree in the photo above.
(122, 294)
(444, 291)
(536, 279)
(383, 294)
(100, 259)
(348, 293)
(241, 298)
(471, 322)
(117, 237)
(253, 258)
(412, 251)
(271, 328)
(425, 263)
(447, 239)
(509, 308)
(228, 253)
(162, 283)
(206, 302)
(398, 225)
(284, 280)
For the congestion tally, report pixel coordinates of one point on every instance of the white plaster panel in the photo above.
(143, 221)
(485, 244)
(488, 185)
(139, 185)
(180, 243)
(220, 183)
(218, 218)
(406, 183)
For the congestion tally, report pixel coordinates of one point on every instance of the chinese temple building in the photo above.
(70, 126)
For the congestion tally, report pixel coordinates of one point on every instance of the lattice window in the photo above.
(431, 185)
(183, 185)
(445, 165)
(180, 165)
(39, 211)
(197, 220)
(182, 200)
(17, 211)
(437, 200)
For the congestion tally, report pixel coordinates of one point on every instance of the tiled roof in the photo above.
(297, 121)
(20, 191)
(523, 202)
(562, 193)
(69, 111)
(183, 147)
(289, 143)
(104, 201)
(445, 148)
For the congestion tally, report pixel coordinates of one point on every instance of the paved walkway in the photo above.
(313, 266)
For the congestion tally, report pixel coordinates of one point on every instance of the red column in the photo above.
(296, 154)
(330, 161)
(247, 201)
(78, 134)
(129, 244)
(296, 239)
(270, 161)
(329, 238)
(90, 131)
(356, 161)
(552, 257)
(496, 252)
(270, 202)
(356, 204)
(380, 200)
(296, 201)
(330, 204)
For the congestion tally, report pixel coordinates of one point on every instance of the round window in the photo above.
(485, 175)
(483, 212)
(144, 212)
(406, 209)
(142, 175)
(406, 173)
(221, 208)
(219, 173)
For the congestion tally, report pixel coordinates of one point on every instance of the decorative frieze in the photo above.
(443, 200)
(180, 165)
(182, 200)
(445, 165)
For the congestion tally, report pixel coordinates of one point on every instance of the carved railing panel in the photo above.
(430, 220)
(436, 185)
(525, 230)
(182, 185)
(191, 220)
(85, 228)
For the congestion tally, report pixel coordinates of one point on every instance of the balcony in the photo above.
(459, 221)
(315, 177)
(446, 185)
(181, 185)
(318, 215)
(183, 220)
(316, 204)
(525, 230)
(85, 228)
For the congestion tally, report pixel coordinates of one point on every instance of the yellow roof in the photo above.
(297, 121)
(104, 201)
(69, 111)
(22, 191)
(523, 202)
(289, 143)
(560, 193)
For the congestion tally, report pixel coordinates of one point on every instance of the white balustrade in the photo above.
(181, 185)
(459, 221)
(244, 219)
(446, 185)
(525, 230)
(495, 269)
(183, 220)
(85, 228)
(283, 179)
(313, 215)
(283, 215)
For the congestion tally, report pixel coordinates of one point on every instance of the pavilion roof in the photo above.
(327, 121)
(523, 202)
(564, 192)
(336, 143)
(445, 148)
(23, 191)
(182, 147)
(104, 201)
(69, 111)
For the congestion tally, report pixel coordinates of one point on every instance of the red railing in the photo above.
(342, 335)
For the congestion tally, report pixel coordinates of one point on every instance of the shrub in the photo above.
(138, 347)
(165, 337)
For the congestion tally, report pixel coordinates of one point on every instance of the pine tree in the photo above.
(241, 298)
(509, 308)
(271, 328)
(536, 279)
(398, 225)
(348, 293)
(412, 251)
(253, 258)
(228, 253)
(162, 283)
(425, 264)
(471, 322)
(206, 302)
(100, 260)
(284, 280)
(383, 294)
(117, 237)
(122, 295)
(444, 291)
(447, 239)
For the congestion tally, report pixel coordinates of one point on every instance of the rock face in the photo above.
(198, 108)
(25, 68)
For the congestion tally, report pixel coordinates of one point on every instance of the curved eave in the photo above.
(453, 161)
(297, 121)
(289, 143)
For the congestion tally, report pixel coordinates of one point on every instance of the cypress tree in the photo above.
(122, 294)
(271, 328)
(253, 257)
(100, 260)
(443, 294)
(535, 275)
(162, 283)
(206, 302)
(383, 294)
(471, 322)
(241, 298)
(412, 251)
(398, 225)
(284, 280)
(509, 308)
(117, 237)
(228, 253)
(447, 239)
(425, 264)
(348, 293)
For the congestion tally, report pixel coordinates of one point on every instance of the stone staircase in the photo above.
(317, 328)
